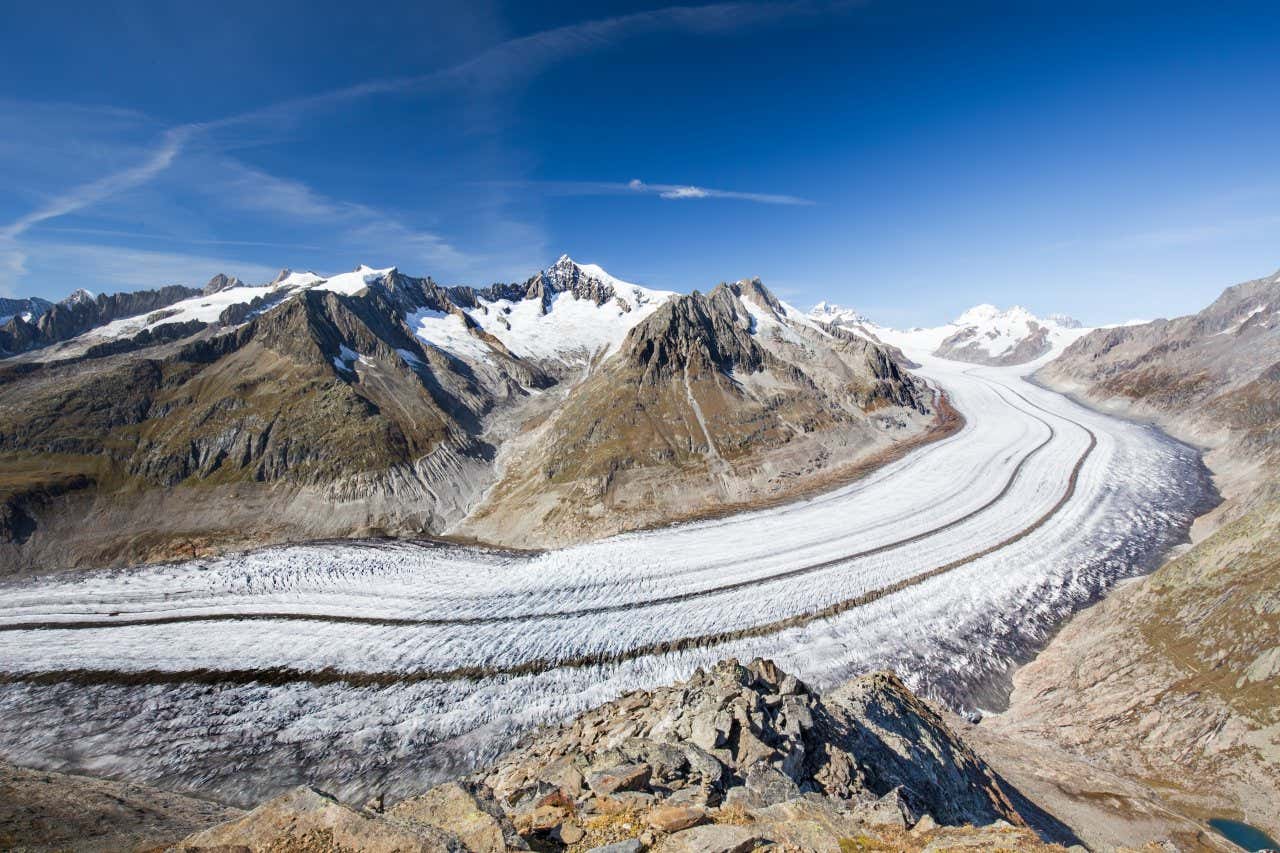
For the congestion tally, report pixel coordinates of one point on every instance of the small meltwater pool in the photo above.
(1243, 835)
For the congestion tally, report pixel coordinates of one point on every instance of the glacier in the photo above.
(378, 667)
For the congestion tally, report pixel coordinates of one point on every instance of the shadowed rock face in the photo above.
(732, 759)
(711, 332)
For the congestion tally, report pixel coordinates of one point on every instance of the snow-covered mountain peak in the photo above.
(566, 313)
(829, 312)
(988, 313)
(984, 334)
(355, 281)
(568, 275)
(289, 278)
(78, 297)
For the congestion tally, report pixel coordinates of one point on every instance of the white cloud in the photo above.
(667, 191)
(360, 226)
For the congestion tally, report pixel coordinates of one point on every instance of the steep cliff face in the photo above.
(1175, 679)
(714, 401)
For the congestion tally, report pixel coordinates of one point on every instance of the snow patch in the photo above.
(447, 332)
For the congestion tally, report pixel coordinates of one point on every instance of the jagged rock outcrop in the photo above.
(221, 282)
(711, 332)
(734, 759)
(756, 737)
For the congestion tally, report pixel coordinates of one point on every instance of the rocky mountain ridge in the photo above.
(374, 403)
(28, 309)
(733, 398)
(80, 312)
(735, 758)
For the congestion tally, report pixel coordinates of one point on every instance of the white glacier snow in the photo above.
(379, 666)
(570, 329)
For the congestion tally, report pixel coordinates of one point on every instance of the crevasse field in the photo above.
(369, 668)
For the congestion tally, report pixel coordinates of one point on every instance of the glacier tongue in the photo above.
(378, 667)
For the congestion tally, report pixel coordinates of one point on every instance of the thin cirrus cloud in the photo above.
(684, 191)
(364, 228)
(105, 267)
(672, 192)
(84, 195)
(513, 60)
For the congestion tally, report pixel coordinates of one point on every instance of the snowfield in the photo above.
(377, 667)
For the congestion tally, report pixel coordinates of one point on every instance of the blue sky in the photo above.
(1109, 160)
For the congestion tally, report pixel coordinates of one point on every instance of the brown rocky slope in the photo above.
(715, 402)
(1174, 680)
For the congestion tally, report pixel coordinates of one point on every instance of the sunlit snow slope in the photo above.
(377, 667)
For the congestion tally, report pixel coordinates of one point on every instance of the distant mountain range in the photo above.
(26, 309)
(145, 425)
(982, 335)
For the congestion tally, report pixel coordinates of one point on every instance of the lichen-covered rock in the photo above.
(466, 810)
(721, 838)
(787, 770)
(308, 820)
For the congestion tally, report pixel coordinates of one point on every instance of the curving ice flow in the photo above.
(380, 666)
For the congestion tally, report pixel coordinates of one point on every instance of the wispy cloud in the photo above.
(516, 59)
(1223, 229)
(505, 63)
(362, 227)
(1196, 234)
(512, 60)
(674, 192)
(177, 238)
(80, 197)
(684, 191)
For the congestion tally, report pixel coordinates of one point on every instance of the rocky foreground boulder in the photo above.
(735, 759)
